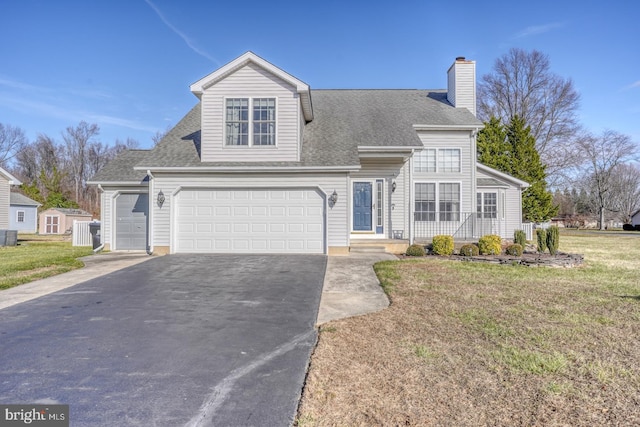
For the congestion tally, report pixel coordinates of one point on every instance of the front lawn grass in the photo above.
(36, 259)
(470, 344)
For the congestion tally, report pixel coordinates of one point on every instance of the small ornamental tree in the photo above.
(553, 239)
(541, 237)
(520, 237)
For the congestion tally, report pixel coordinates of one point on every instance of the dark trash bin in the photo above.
(94, 229)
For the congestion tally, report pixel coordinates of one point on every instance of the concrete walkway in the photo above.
(350, 288)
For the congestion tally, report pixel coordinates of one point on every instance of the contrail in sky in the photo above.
(182, 35)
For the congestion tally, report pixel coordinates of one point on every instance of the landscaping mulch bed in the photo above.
(529, 259)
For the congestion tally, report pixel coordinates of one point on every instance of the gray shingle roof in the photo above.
(343, 121)
(21, 199)
(121, 169)
(71, 211)
(489, 182)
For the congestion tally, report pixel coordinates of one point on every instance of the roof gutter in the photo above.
(150, 214)
(448, 127)
(249, 169)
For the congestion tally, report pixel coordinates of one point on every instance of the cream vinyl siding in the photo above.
(389, 170)
(463, 141)
(509, 204)
(461, 81)
(250, 81)
(4, 203)
(337, 216)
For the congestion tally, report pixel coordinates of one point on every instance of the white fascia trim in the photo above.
(502, 175)
(12, 179)
(448, 127)
(209, 80)
(119, 183)
(256, 169)
(386, 149)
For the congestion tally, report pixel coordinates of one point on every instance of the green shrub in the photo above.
(514, 250)
(416, 250)
(553, 239)
(541, 235)
(490, 244)
(469, 250)
(520, 237)
(442, 245)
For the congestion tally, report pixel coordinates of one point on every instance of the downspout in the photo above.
(101, 247)
(150, 219)
(410, 210)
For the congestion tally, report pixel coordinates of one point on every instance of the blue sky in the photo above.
(127, 65)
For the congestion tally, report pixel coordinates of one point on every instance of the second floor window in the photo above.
(250, 121)
(441, 160)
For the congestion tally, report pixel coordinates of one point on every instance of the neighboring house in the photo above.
(23, 213)
(635, 218)
(6, 181)
(60, 220)
(264, 164)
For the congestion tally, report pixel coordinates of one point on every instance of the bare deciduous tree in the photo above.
(522, 84)
(625, 187)
(12, 141)
(77, 140)
(602, 155)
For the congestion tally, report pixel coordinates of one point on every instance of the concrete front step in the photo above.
(367, 249)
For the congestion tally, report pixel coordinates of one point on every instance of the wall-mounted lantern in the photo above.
(333, 198)
(160, 199)
(393, 187)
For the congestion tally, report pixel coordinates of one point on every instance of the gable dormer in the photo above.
(252, 111)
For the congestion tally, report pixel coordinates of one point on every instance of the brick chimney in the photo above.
(461, 84)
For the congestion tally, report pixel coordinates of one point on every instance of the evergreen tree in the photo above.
(512, 150)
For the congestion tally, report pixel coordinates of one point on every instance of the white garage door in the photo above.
(250, 221)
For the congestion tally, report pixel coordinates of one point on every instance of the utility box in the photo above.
(8, 237)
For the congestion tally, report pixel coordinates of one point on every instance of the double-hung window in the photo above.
(437, 160)
(425, 205)
(250, 121)
(20, 216)
(449, 196)
(449, 160)
(444, 196)
(487, 205)
(425, 160)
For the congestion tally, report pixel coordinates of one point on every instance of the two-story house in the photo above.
(264, 164)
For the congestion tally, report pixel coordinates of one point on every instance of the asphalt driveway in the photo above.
(177, 340)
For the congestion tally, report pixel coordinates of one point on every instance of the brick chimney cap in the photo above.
(460, 58)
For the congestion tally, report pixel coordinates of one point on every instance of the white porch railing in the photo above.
(465, 226)
(81, 236)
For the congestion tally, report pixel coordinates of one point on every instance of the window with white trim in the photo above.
(437, 160)
(19, 216)
(425, 160)
(425, 201)
(257, 128)
(487, 205)
(449, 160)
(449, 198)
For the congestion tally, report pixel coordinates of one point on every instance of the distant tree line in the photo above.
(55, 172)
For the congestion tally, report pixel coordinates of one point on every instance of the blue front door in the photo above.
(362, 206)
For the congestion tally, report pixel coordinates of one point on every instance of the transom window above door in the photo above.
(250, 121)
